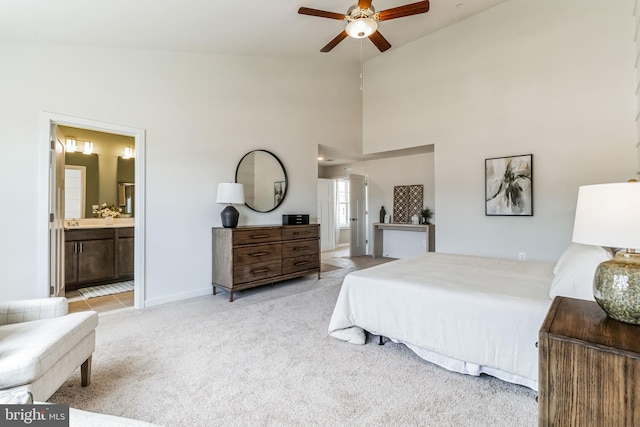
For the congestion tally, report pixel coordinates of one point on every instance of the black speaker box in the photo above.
(294, 219)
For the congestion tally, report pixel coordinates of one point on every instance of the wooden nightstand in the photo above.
(589, 367)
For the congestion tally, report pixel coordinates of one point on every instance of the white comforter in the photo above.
(466, 313)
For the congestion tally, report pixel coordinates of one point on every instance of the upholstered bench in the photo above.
(41, 345)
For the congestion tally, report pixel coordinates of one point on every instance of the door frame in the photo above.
(48, 119)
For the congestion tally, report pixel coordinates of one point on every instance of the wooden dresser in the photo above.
(589, 367)
(246, 257)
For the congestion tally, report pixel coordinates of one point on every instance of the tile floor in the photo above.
(123, 300)
(99, 304)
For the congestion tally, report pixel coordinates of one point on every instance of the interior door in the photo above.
(358, 215)
(326, 213)
(56, 214)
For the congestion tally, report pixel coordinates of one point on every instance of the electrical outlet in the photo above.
(522, 256)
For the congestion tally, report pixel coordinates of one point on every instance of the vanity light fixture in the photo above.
(70, 144)
(128, 153)
(88, 147)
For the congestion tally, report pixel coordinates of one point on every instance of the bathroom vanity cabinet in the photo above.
(97, 256)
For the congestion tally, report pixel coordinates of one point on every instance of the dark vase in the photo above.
(229, 217)
(383, 213)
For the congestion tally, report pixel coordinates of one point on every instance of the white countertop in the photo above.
(83, 223)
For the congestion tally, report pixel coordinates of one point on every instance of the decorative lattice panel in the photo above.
(400, 198)
(407, 201)
(416, 197)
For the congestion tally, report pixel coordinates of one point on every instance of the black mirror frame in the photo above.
(284, 171)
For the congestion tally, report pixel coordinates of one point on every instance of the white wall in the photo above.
(201, 114)
(384, 174)
(547, 77)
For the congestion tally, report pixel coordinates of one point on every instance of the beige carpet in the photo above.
(266, 359)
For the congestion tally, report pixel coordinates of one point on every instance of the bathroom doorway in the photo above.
(55, 257)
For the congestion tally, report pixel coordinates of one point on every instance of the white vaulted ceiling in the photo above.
(266, 28)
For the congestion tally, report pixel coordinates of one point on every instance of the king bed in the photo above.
(468, 314)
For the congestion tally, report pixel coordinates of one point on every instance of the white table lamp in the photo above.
(230, 193)
(609, 215)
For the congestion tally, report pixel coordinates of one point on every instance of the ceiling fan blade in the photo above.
(321, 13)
(364, 4)
(406, 10)
(333, 43)
(381, 43)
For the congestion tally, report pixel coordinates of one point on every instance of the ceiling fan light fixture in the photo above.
(361, 28)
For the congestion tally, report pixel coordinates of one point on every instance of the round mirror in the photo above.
(264, 179)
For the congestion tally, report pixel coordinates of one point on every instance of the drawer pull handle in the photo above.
(300, 248)
(259, 236)
(301, 263)
(262, 270)
(298, 233)
(259, 253)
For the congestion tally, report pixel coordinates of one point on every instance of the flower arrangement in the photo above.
(426, 215)
(105, 211)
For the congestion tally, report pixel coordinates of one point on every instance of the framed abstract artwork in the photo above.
(509, 185)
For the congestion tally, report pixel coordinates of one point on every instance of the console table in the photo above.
(378, 235)
(246, 257)
(589, 367)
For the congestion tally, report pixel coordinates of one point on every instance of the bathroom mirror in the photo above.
(93, 179)
(264, 179)
(82, 184)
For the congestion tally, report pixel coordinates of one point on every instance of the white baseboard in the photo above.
(179, 297)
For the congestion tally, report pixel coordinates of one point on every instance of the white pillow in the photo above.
(574, 272)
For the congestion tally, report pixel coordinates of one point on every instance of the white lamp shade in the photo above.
(229, 192)
(608, 215)
(361, 28)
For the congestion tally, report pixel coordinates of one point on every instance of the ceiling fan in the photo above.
(362, 21)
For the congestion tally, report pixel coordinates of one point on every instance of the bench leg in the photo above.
(214, 290)
(230, 296)
(85, 372)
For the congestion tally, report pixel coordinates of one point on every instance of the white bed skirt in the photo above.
(471, 368)
(468, 314)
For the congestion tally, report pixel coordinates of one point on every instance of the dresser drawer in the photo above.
(261, 235)
(299, 248)
(300, 263)
(299, 232)
(257, 253)
(257, 271)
